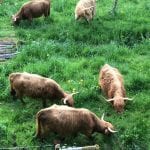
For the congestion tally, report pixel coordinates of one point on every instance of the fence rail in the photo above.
(51, 147)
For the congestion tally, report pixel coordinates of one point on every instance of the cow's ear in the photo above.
(74, 93)
(15, 19)
(106, 131)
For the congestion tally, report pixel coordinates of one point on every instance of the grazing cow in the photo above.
(32, 9)
(111, 83)
(36, 86)
(66, 121)
(85, 9)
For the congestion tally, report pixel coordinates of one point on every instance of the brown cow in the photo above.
(111, 83)
(36, 86)
(32, 9)
(66, 121)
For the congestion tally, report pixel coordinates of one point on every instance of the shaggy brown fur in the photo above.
(66, 121)
(111, 83)
(36, 86)
(85, 9)
(32, 9)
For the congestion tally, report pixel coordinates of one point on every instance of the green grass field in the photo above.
(72, 53)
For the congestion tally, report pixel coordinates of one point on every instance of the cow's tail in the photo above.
(39, 128)
(12, 77)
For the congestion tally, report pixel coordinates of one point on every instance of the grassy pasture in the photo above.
(72, 53)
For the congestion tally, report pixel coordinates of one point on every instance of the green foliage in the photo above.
(72, 53)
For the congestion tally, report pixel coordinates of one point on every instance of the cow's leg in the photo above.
(12, 92)
(47, 11)
(88, 134)
(44, 101)
(88, 15)
(22, 101)
(90, 138)
(47, 14)
(19, 96)
(30, 18)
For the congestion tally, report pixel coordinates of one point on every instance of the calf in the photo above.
(36, 86)
(85, 9)
(111, 83)
(66, 121)
(32, 9)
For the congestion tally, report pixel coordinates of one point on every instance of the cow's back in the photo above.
(110, 80)
(33, 85)
(36, 8)
(106, 77)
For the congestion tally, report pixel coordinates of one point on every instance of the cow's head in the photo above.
(119, 103)
(15, 20)
(68, 100)
(107, 127)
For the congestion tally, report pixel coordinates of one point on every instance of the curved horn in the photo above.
(126, 98)
(88, 8)
(102, 118)
(109, 100)
(112, 131)
(74, 93)
(65, 101)
(103, 97)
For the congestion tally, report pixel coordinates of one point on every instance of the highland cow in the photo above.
(36, 86)
(112, 84)
(66, 121)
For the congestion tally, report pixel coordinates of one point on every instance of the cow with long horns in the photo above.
(111, 83)
(66, 121)
(36, 86)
